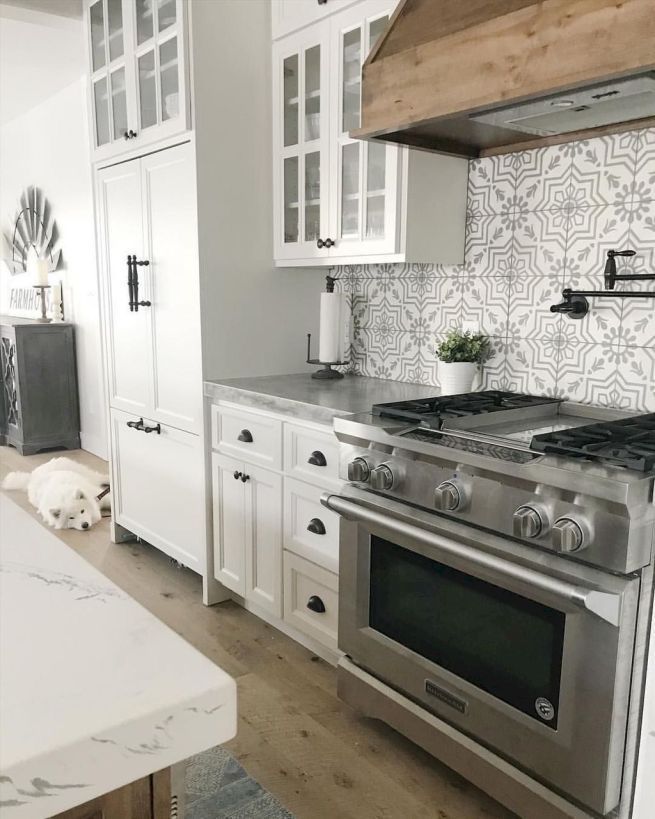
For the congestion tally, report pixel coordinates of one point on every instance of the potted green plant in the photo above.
(460, 357)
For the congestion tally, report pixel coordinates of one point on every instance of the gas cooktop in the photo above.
(433, 411)
(629, 443)
(494, 419)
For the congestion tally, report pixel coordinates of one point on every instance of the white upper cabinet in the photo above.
(137, 62)
(291, 15)
(340, 200)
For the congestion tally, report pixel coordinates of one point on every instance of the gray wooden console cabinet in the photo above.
(38, 405)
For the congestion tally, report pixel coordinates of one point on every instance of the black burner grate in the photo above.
(629, 443)
(431, 410)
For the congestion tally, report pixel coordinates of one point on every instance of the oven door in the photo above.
(525, 651)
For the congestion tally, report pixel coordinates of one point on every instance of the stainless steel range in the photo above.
(493, 556)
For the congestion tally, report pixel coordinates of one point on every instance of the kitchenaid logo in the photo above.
(445, 696)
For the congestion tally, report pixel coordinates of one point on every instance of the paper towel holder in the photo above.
(326, 373)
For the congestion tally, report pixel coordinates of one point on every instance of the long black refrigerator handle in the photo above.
(130, 281)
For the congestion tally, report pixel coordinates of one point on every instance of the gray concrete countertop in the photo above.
(300, 396)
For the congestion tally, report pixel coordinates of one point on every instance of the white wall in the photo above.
(254, 317)
(48, 146)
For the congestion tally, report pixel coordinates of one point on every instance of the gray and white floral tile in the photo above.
(538, 221)
(604, 169)
(491, 185)
(529, 302)
(542, 180)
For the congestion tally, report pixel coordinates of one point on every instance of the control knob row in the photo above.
(568, 534)
(380, 477)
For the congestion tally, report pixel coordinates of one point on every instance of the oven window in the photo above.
(497, 640)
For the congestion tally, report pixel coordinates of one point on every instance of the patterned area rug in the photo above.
(217, 787)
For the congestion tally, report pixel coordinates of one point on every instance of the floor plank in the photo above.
(295, 737)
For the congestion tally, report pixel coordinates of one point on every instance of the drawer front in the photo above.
(255, 438)
(311, 599)
(311, 454)
(158, 487)
(310, 530)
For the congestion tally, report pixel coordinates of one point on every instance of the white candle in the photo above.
(41, 271)
(37, 269)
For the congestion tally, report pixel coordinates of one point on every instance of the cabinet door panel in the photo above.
(172, 248)
(160, 76)
(126, 331)
(158, 488)
(301, 143)
(229, 512)
(365, 175)
(109, 99)
(264, 539)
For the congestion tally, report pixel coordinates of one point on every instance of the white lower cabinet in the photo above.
(247, 531)
(310, 529)
(275, 545)
(311, 599)
(158, 486)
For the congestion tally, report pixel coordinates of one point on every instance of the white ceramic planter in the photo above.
(457, 377)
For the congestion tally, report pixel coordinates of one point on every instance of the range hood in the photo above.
(478, 77)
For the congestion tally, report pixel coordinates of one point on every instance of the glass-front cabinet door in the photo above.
(138, 85)
(301, 140)
(364, 175)
(159, 65)
(109, 95)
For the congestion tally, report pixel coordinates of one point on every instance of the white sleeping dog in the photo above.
(63, 492)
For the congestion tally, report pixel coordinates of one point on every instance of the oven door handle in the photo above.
(606, 605)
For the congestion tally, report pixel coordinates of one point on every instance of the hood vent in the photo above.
(494, 76)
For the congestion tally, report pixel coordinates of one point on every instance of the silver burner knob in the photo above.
(358, 471)
(528, 522)
(569, 535)
(449, 496)
(382, 477)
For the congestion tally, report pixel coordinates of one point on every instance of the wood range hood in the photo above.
(479, 77)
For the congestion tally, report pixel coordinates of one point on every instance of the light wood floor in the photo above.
(296, 738)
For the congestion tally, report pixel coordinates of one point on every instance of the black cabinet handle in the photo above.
(136, 424)
(156, 428)
(316, 526)
(237, 475)
(245, 478)
(321, 243)
(245, 436)
(317, 458)
(329, 243)
(133, 283)
(316, 604)
(129, 134)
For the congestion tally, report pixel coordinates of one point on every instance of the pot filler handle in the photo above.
(605, 605)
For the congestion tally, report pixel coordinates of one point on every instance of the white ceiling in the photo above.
(39, 54)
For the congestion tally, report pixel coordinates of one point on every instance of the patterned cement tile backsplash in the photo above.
(538, 221)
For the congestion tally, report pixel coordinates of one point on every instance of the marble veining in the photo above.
(95, 692)
(300, 396)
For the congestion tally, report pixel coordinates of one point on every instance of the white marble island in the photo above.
(95, 692)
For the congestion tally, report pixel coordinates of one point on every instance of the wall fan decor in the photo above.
(34, 227)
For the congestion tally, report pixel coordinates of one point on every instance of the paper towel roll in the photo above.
(329, 339)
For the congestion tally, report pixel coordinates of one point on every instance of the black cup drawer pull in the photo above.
(317, 458)
(316, 526)
(316, 604)
(135, 424)
(245, 436)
